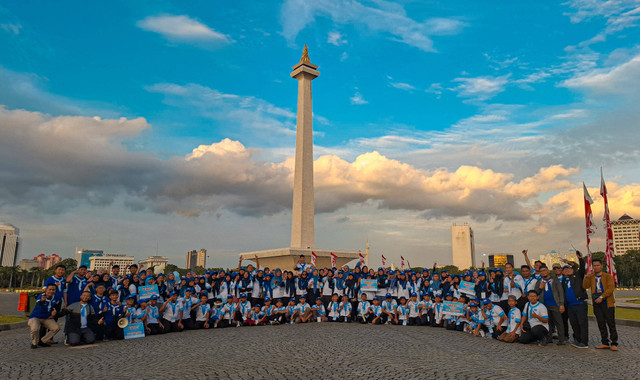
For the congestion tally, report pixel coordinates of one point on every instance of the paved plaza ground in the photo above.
(318, 351)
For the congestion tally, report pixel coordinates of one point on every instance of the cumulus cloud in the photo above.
(358, 99)
(481, 88)
(61, 162)
(182, 28)
(618, 14)
(381, 16)
(336, 38)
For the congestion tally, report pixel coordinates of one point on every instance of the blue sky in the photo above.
(426, 113)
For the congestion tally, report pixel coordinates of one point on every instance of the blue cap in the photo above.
(154, 297)
(142, 301)
(403, 298)
(267, 299)
(256, 305)
(160, 275)
(380, 268)
(388, 295)
(486, 301)
(481, 273)
(473, 303)
(318, 298)
(414, 294)
(131, 296)
(292, 299)
(82, 266)
(172, 294)
(376, 298)
(303, 296)
(392, 272)
(243, 295)
(229, 296)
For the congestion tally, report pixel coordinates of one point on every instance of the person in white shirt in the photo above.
(363, 309)
(319, 311)
(242, 312)
(187, 306)
(171, 313)
(304, 309)
(203, 311)
(514, 316)
(389, 306)
(376, 312)
(495, 320)
(414, 311)
(334, 309)
(535, 320)
(228, 312)
(402, 312)
(426, 310)
(345, 309)
(513, 285)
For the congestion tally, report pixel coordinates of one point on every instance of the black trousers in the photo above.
(414, 321)
(113, 332)
(170, 326)
(535, 334)
(85, 335)
(606, 317)
(555, 321)
(427, 318)
(579, 322)
(155, 328)
(188, 324)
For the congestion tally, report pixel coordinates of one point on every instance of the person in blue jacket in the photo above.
(42, 315)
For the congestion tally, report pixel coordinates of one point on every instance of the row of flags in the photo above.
(590, 228)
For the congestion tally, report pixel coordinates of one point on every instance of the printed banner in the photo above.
(145, 292)
(467, 288)
(367, 285)
(134, 331)
(452, 308)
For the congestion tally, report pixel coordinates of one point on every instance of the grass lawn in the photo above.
(622, 313)
(11, 319)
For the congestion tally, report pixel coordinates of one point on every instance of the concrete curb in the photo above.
(13, 326)
(621, 322)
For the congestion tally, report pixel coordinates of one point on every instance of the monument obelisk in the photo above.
(303, 233)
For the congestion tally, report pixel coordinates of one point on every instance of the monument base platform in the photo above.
(286, 258)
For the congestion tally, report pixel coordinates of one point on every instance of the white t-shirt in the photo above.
(539, 309)
(201, 312)
(414, 309)
(514, 318)
(494, 314)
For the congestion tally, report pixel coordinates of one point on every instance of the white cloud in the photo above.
(621, 79)
(335, 38)
(618, 14)
(182, 28)
(344, 56)
(385, 17)
(11, 28)
(358, 99)
(481, 88)
(402, 86)
(243, 111)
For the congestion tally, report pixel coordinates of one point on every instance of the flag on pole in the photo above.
(333, 260)
(590, 227)
(313, 258)
(361, 259)
(384, 259)
(401, 262)
(609, 253)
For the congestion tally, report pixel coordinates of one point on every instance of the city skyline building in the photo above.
(27, 264)
(46, 262)
(463, 249)
(626, 234)
(500, 260)
(156, 262)
(105, 262)
(196, 259)
(9, 244)
(83, 256)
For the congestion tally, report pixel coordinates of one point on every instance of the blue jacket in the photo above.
(44, 307)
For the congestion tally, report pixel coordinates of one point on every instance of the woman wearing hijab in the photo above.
(289, 285)
(302, 285)
(277, 283)
(383, 283)
(314, 284)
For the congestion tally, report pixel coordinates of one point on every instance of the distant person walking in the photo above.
(602, 287)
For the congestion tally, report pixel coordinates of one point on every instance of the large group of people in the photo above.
(533, 305)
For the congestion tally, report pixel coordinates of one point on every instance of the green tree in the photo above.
(628, 268)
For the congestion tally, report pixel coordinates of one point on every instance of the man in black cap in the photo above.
(575, 297)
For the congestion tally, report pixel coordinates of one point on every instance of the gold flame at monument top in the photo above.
(305, 55)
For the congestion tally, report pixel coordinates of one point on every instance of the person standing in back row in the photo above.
(602, 287)
(576, 299)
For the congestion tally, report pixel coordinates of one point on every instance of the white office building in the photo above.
(9, 244)
(105, 262)
(156, 262)
(626, 234)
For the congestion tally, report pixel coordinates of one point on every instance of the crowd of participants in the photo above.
(532, 305)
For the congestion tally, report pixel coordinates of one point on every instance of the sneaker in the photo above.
(602, 347)
(34, 346)
(66, 342)
(580, 345)
(482, 334)
(238, 324)
(614, 348)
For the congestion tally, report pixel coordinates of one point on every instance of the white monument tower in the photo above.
(303, 235)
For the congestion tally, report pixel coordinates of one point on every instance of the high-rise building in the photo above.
(500, 260)
(26, 264)
(83, 255)
(9, 244)
(46, 262)
(159, 262)
(105, 262)
(626, 234)
(463, 247)
(196, 259)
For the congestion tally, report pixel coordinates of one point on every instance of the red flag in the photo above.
(384, 259)
(313, 258)
(588, 216)
(333, 260)
(401, 262)
(609, 253)
(361, 259)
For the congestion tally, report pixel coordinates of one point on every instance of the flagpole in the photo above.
(609, 253)
(588, 216)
